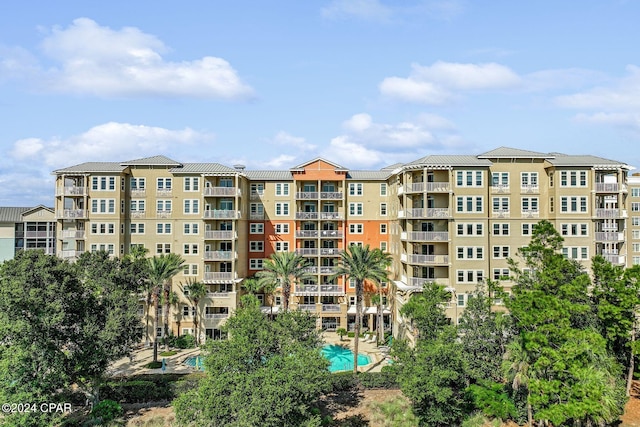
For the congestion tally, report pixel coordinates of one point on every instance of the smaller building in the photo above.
(24, 228)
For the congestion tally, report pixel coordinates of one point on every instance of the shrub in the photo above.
(382, 379)
(107, 411)
(342, 381)
(351, 334)
(168, 353)
(492, 400)
(185, 341)
(153, 365)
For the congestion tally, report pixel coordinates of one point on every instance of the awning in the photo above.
(368, 310)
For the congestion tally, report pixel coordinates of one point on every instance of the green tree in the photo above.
(61, 324)
(139, 267)
(267, 373)
(195, 291)
(254, 286)
(284, 269)
(162, 269)
(433, 373)
(361, 264)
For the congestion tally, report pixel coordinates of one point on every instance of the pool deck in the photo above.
(175, 364)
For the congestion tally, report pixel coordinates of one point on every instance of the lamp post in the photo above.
(452, 291)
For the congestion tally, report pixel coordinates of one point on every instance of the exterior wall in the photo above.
(7, 241)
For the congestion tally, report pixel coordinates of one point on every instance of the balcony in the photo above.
(71, 191)
(307, 307)
(138, 214)
(221, 214)
(219, 235)
(72, 214)
(530, 213)
(425, 259)
(330, 308)
(164, 192)
(256, 215)
(420, 281)
(500, 189)
(67, 254)
(218, 294)
(416, 187)
(425, 213)
(330, 215)
(307, 195)
(256, 194)
(306, 234)
(611, 213)
(320, 270)
(330, 195)
(330, 251)
(138, 192)
(218, 276)
(163, 214)
(307, 215)
(221, 191)
(604, 236)
(216, 315)
(331, 234)
(307, 251)
(218, 255)
(72, 234)
(425, 236)
(529, 189)
(38, 234)
(607, 187)
(614, 258)
(501, 213)
(331, 290)
(306, 289)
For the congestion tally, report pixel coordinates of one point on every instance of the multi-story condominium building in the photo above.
(26, 228)
(454, 220)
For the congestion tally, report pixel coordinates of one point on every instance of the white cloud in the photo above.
(438, 83)
(368, 10)
(90, 59)
(286, 139)
(389, 137)
(282, 161)
(352, 154)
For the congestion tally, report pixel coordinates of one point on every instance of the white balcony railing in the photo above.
(216, 315)
(307, 251)
(138, 214)
(221, 191)
(72, 234)
(330, 215)
(428, 259)
(330, 251)
(614, 259)
(500, 188)
(163, 214)
(331, 289)
(330, 195)
(607, 187)
(70, 254)
(71, 191)
(72, 214)
(530, 213)
(529, 189)
(307, 307)
(219, 235)
(307, 195)
(38, 234)
(425, 236)
(603, 236)
(138, 192)
(608, 213)
(306, 233)
(307, 215)
(330, 308)
(218, 276)
(331, 234)
(321, 270)
(218, 255)
(221, 214)
(219, 294)
(501, 213)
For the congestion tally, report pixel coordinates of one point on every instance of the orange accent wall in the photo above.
(320, 170)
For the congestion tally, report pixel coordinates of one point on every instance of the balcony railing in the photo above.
(330, 308)
(219, 294)
(306, 233)
(614, 259)
(138, 192)
(219, 235)
(331, 234)
(529, 189)
(307, 195)
(420, 281)
(38, 234)
(256, 194)
(610, 213)
(603, 236)
(71, 191)
(321, 270)
(164, 192)
(330, 251)
(331, 289)
(330, 215)
(501, 213)
(425, 236)
(307, 251)
(607, 187)
(256, 215)
(221, 214)
(221, 191)
(428, 259)
(70, 254)
(163, 214)
(307, 215)
(500, 188)
(138, 214)
(218, 276)
(531, 213)
(307, 307)
(416, 187)
(72, 214)
(306, 289)
(218, 255)
(425, 213)
(216, 315)
(72, 234)
(330, 195)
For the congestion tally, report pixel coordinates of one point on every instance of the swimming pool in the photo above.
(341, 358)
(194, 362)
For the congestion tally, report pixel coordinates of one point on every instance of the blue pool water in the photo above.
(341, 358)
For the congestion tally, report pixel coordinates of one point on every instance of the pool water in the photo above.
(194, 362)
(341, 358)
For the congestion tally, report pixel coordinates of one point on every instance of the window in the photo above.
(190, 269)
(501, 229)
(383, 209)
(103, 206)
(574, 230)
(635, 220)
(573, 252)
(188, 311)
(163, 206)
(469, 229)
(500, 204)
(635, 234)
(529, 180)
(529, 204)
(136, 228)
(636, 260)
(192, 228)
(383, 189)
(282, 228)
(163, 248)
(355, 189)
(137, 206)
(282, 246)
(255, 228)
(103, 183)
(469, 179)
(383, 228)
(500, 179)
(257, 189)
(190, 249)
(163, 228)
(573, 179)
(138, 183)
(355, 209)
(191, 184)
(500, 274)
(282, 209)
(355, 228)
(282, 189)
(635, 247)
(635, 207)
(256, 246)
(501, 251)
(635, 192)
(192, 206)
(256, 210)
(570, 204)
(469, 204)
(383, 246)
(469, 252)
(527, 229)
(255, 264)
(469, 276)
(163, 183)
(102, 228)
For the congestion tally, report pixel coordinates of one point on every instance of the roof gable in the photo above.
(507, 152)
(152, 161)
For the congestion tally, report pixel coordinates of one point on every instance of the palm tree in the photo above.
(137, 256)
(254, 286)
(195, 291)
(516, 367)
(174, 301)
(161, 270)
(282, 269)
(361, 263)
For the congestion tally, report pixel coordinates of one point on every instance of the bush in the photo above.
(351, 334)
(168, 353)
(492, 400)
(343, 381)
(107, 411)
(185, 341)
(382, 379)
(153, 365)
(139, 391)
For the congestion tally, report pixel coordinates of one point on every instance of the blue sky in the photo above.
(364, 83)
